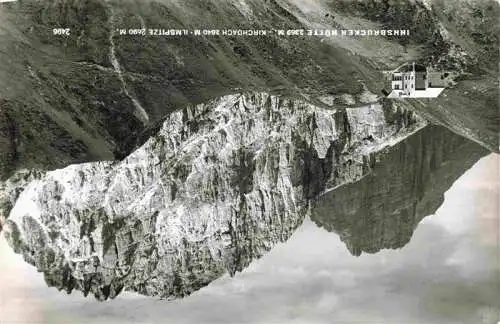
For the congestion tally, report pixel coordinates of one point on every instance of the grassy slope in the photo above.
(64, 112)
(214, 65)
(62, 102)
(470, 108)
(75, 110)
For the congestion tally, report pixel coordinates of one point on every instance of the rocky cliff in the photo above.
(215, 188)
(181, 196)
(97, 96)
(406, 184)
(12, 188)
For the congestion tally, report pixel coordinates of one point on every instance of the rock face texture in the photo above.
(182, 196)
(12, 188)
(407, 183)
(94, 94)
(214, 189)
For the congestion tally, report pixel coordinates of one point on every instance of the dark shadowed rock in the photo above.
(407, 183)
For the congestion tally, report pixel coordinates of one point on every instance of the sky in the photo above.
(448, 273)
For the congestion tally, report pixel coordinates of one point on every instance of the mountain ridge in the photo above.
(79, 111)
(216, 188)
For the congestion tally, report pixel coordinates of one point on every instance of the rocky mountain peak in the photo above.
(218, 186)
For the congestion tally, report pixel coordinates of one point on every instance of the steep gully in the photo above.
(140, 112)
(218, 186)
